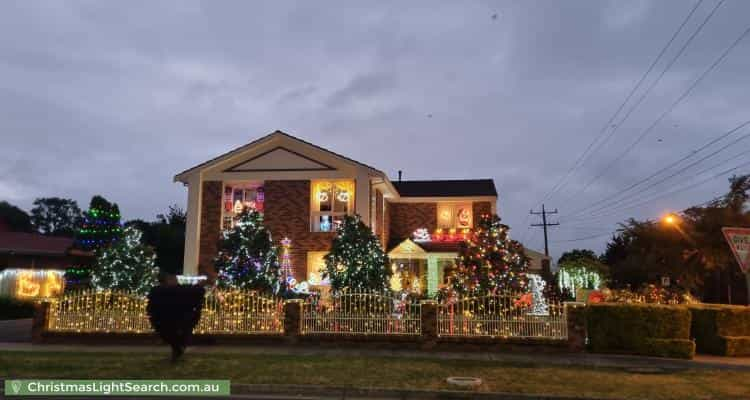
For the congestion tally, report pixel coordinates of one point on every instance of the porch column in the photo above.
(432, 274)
(192, 226)
(362, 198)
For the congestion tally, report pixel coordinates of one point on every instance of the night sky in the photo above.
(114, 98)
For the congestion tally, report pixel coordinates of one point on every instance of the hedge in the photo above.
(645, 329)
(11, 308)
(721, 329)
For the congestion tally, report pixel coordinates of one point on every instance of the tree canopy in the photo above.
(16, 219)
(56, 216)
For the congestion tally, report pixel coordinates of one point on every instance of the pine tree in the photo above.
(489, 261)
(101, 225)
(247, 258)
(126, 265)
(356, 260)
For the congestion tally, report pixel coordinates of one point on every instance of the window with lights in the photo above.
(330, 202)
(238, 197)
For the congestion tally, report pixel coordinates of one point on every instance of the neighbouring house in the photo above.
(35, 251)
(34, 265)
(304, 191)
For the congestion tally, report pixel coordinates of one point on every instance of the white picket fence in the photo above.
(506, 315)
(361, 313)
(224, 312)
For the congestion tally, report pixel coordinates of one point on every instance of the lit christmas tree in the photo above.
(356, 260)
(489, 261)
(126, 265)
(101, 225)
(247, 258)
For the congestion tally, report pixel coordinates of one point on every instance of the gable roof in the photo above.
(34, 244)
(270, 136)
(446, 188)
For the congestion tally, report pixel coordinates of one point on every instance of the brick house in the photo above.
(303, 191)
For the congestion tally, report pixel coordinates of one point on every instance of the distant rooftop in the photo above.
(446, 188)
(34, 244)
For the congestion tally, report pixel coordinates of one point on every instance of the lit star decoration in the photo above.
(356, 260)
(247, 258)
(489, 261)
(126, 265)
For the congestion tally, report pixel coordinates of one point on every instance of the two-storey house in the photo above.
(304, 191)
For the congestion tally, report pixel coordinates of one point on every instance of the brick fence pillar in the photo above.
(576, 316)
(292, 320)
(39, 321)
(429, 316)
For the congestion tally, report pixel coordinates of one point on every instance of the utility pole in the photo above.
(544, 225)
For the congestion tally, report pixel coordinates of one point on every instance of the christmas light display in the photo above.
(247, 258)
(489, 261)
(539, 304)
(31, 283)
(356, 260)
(422, 235)
(126, 265)
(101, 225)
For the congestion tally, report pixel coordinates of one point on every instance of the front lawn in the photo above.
(415, 373)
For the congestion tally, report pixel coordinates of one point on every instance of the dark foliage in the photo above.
(14, 309)
(56, 216)
(691, 252)
(14, 218)
(167, 236)
(174, 311)
(646, 329)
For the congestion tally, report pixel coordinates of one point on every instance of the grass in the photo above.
(414, 373)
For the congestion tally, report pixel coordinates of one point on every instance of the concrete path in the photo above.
(571, 359)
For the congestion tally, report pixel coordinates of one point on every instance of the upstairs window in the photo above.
(237, 198)
(454, 216)
(330, 202)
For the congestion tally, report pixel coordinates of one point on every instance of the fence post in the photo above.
(39, 321)
(292, 320)
(576, 320)
(429, 322)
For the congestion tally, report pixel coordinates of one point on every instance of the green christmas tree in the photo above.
(247, 258)
(356, 260)
(126, 265)
(489, 261)
(101, 225)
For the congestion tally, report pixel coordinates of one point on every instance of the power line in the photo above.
(583, 238)
(678, 190)
(680, 171)
(584, 156)
(671, 107)
(693, 176)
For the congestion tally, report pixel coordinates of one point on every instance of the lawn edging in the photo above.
(345, 392)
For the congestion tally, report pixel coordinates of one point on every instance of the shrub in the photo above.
(174, 311)
(721, 329)
(11, 308)
(647, 329)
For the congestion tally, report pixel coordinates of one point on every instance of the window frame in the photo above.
(315, 212)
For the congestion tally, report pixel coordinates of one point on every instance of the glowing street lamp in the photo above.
(670, 219)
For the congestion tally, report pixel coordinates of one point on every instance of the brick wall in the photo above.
(287, 214)
(405, 218)
(210, 227)
(480, 207)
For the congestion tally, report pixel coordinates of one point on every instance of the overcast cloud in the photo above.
(114, 98)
